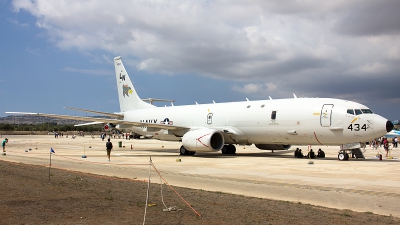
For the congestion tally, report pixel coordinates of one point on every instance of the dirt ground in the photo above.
(27, 197)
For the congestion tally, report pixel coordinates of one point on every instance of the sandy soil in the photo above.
(27, 197)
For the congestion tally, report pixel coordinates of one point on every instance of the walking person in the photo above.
(4, 144)
(109, 147)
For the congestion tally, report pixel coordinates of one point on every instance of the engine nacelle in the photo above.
(203, 140)
(108, 127)
(273, 147)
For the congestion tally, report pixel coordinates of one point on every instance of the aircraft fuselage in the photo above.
(301, 121)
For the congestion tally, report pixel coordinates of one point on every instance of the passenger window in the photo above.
(273, 115)
(350, 111)
(358, 111)
(367, 111)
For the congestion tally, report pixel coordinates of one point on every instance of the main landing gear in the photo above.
(228, 149)
(183, 151)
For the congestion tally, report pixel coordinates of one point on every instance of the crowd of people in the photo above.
(383, 141)
(310, 155)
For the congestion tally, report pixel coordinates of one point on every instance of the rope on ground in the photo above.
(148, 192)
(167, 209)
(198, 214)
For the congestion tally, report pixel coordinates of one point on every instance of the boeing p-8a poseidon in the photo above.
(269, 124)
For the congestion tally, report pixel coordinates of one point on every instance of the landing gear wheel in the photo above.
(183, 151)
(232, 149)
(225, 150)
(341, 156)
(346, 156)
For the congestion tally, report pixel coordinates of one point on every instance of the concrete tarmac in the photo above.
(364, 185)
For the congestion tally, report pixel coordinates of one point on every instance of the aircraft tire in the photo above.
(341, 156)
(232, 149)
(346, 156)
(225, 150)
(183, 151)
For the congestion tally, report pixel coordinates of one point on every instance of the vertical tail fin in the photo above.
(128, 98)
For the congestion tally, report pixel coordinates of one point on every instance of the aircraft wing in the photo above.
(116, 115)
(103, 120)
(86, 124)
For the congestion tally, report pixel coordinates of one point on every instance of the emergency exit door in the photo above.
(326, 115)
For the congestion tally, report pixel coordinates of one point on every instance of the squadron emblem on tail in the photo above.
(126, 90)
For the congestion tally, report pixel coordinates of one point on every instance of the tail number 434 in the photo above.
(357, 127)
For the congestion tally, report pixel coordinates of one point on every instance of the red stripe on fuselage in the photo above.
(315, 135)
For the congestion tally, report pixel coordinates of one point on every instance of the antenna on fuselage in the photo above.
(294, 95)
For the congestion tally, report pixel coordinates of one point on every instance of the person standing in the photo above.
(386, 146)
(4, 144)
(109, 147)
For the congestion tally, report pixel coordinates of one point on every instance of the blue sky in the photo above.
(60, 53)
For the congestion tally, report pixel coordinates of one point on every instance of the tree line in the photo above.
(50, 127)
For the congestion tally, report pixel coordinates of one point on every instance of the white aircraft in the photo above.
(273, 124)
(392, 134)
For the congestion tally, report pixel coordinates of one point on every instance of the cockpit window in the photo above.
(367, 111)
(358, 111)
(350, 111)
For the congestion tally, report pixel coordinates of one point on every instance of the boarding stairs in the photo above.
(357, 152)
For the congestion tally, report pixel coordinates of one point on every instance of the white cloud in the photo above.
(288, 42)
(18, 23)
(258, 89)
(34, 51)
(248, 88)
(271, 87)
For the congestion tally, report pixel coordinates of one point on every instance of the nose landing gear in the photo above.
(343, 155)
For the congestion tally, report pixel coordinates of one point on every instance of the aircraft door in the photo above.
(209, 118)
(326, 115)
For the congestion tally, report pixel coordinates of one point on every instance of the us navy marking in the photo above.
(149, 121)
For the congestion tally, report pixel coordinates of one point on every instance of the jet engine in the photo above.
(203, 140)
(108, 127)
(272, 147)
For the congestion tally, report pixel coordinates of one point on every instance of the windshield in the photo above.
(366, 111)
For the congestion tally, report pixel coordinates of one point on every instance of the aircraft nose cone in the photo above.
(389, 126)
